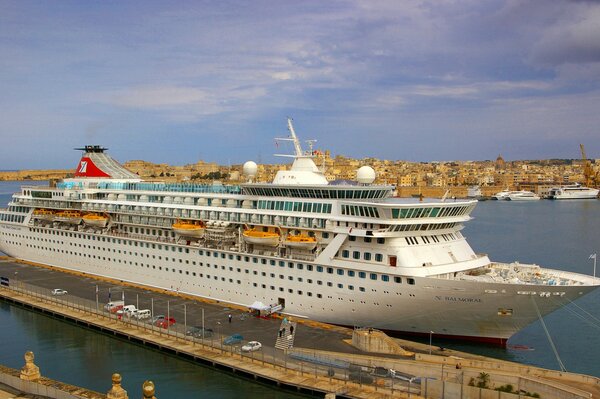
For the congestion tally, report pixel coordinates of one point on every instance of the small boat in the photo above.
(45, 214)
(502, 195)
(268, 238)
(94, 219)
(189, 228)
(522, 196)
(301, 241)
(70, 217)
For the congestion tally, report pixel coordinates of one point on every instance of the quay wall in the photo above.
(45, 386)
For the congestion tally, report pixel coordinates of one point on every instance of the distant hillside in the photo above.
(35, 174)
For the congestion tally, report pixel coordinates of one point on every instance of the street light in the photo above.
(430, 337)
(219, 334)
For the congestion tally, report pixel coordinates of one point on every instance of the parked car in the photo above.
(252, 346)
(166, 322)
(127, 310)
(114, 306)
(233, 339)
(196, 332)
(141, 314)
(156, 318)
(58, 291)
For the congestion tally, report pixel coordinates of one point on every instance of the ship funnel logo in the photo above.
(83, 167)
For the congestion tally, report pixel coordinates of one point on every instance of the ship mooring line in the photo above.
(560, 363)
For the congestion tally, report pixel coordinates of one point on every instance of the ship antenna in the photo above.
(297, 146)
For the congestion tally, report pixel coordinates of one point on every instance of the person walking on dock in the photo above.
(229, 317)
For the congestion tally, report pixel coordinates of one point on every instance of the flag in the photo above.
(593, 256)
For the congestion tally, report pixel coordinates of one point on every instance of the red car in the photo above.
(164, 323)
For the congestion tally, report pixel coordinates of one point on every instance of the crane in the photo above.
(591, 179)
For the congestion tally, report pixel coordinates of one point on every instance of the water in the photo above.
(557, 234)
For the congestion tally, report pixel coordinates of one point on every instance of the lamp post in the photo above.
(219, 334)
(430, 337)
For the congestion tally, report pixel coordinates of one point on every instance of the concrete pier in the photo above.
(322, 359)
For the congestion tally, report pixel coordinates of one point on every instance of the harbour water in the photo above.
(556, 234)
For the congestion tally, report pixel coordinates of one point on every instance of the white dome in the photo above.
(250, 168)
(365, 175)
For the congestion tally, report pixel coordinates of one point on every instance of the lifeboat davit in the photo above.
(45, 214)
(70, 217)
(301, 241)
(94, 219)
(189, 228)
(268, 238)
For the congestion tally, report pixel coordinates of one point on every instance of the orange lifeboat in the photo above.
(268, 238)
(45, 214)
(94, 219)
(70, 217)
(301, 241)
(189, 228)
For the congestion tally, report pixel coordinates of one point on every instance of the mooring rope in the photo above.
(560, 363)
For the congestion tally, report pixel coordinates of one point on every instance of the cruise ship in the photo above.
(344, 254)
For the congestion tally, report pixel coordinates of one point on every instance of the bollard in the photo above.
(30, 372)
(148, 390)
(117, 391)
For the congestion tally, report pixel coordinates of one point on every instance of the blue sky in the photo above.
(180, 81)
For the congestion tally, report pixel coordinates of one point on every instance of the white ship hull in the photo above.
(573, 192)
(453, 308)
(523, 196)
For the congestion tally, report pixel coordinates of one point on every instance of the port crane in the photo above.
(591, 178)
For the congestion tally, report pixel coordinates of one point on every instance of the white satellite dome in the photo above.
(365, 175)
(250, 168)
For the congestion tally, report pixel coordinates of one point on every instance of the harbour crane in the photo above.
(591, 178)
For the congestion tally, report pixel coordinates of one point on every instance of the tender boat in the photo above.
(95, 219)
(69, 217)
(44, 214)
(300, 241)
(267, 238)
(188, 228)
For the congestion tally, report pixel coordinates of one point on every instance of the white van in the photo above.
(127, 310)
(141, 314)
(114, 307)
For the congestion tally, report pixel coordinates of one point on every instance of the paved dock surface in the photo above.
(188, 311)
